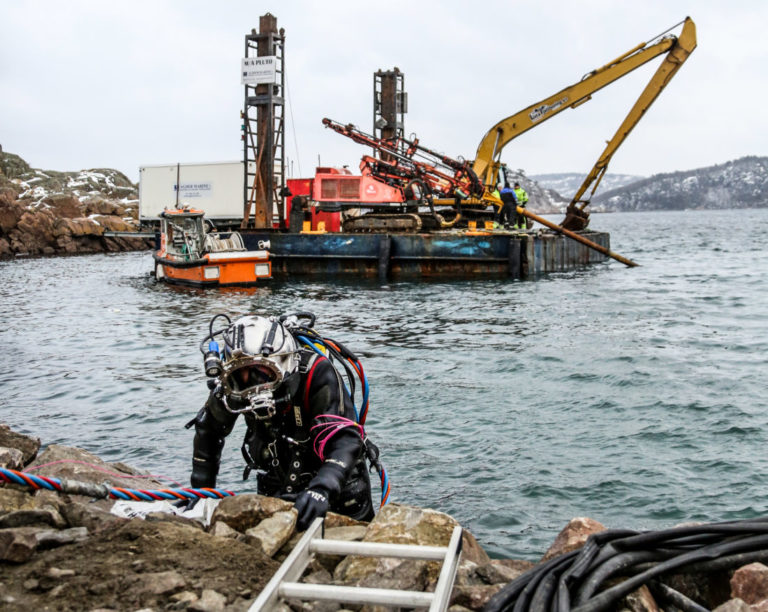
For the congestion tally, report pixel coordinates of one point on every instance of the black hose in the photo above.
(300, 315)
(338, 355)
(587, 554)
(688, 533)
(610, 568)
(526, 599)
(212, 334)
(573, 581)
(604, 600)
(666, 594)
(216, 316)
(728, 562)
(506, 597)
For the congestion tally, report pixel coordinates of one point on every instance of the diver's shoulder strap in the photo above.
(307, 358)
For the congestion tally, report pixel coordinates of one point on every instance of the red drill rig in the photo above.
(398, 186)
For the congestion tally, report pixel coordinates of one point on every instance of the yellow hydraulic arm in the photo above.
(678, 48)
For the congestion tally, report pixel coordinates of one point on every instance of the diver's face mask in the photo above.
(260, 356)
(249, 385)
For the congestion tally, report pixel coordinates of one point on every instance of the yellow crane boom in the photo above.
(677, 48)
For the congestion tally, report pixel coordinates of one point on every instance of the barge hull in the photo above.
(434, 255)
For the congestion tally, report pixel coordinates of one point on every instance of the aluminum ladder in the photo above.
(283, 584)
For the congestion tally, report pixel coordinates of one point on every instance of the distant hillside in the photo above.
(35, 185)
(566, 183)
(46, 212)
(742, 183)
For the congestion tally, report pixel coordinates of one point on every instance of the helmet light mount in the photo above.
(212, 360)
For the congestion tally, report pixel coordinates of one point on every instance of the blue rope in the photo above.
(54, 484)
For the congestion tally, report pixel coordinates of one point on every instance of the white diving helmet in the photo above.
(260, 355)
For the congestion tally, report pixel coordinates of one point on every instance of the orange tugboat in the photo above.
(190, 255)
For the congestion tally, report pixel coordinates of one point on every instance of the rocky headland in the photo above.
(70, 552)
(45, 212)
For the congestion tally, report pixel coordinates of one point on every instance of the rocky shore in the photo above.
(65, 213)
(70, 552)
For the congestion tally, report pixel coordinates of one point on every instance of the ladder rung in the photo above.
(282, 583)
(355, 595)
(377, 549)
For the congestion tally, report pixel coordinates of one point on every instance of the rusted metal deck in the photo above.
(435, 255)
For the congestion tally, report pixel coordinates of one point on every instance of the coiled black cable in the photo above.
(577, 581)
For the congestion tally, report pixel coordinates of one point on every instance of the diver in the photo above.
(302, 439)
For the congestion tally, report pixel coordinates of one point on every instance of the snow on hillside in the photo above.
(567, 183)
(742, 183)
(35, 185)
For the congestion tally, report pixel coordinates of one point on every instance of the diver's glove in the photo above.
(185, 505)
(310, 504)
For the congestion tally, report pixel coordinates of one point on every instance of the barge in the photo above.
(449, 255)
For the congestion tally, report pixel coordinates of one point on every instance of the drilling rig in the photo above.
(419, 178)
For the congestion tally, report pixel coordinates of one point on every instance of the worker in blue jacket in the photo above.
(509, 207)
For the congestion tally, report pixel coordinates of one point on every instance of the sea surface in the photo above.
(635, 396)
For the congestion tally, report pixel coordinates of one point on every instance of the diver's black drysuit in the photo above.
(281, 449)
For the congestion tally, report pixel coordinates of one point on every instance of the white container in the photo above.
(216, 188)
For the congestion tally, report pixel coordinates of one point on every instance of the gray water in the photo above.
(633, 396)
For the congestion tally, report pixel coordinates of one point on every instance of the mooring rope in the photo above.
(104, 491)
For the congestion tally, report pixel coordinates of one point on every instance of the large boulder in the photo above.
(242, 512)
(34, 232)
(88, 515)
(100, 206)
(274, 531)
(750, 583)
(64, 205)
(112, 223)
(84, 226)
(574, 535)
(473, 597)
(11, 211)
(503, 571)
(12, 500)
(18, 545)
(28, 445)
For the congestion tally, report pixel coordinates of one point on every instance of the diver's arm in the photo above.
(212, 425)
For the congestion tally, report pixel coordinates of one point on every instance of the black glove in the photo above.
(186, 505)
(310, 504)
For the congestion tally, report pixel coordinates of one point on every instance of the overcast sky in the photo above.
(121, 84)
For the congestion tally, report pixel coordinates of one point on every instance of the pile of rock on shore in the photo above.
(69, 552)
(45, 212)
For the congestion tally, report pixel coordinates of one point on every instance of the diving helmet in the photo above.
(259, 356)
